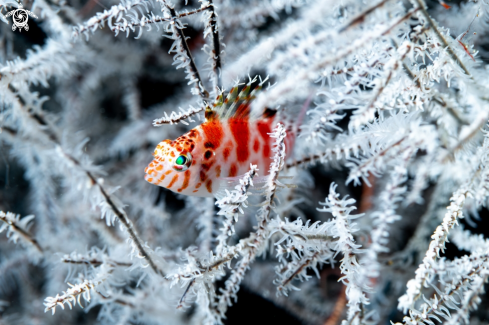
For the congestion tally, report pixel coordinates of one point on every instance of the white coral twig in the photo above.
(70, 296)
(232, 204)
(18, 228)
(437, 245)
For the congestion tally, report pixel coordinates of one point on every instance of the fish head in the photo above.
(176, 164)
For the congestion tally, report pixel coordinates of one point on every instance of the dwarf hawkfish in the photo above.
(219, 150)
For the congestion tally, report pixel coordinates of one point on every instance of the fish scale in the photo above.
(217, 149)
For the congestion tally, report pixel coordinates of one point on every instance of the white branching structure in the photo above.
(17, 228)
(70, 297)
(181, 116)
(386, 100)
(343, 229)
(196, 274)
(436, 246)
(232, 205)
(257, 242)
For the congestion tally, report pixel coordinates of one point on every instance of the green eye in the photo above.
(183, 162)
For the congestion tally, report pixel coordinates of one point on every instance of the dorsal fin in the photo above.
(210, 114)
(236, 105)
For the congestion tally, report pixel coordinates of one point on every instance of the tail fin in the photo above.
(303, 112)
(294, 129)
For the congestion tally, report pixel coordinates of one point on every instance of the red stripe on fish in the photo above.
(233, 171)
(208, 185)
(213, 133)
(173, 180)
(264, 129)
(185, 181)
(256, 145)
(241, 133)
(227, 150)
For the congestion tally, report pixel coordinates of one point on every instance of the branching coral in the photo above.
(378, 105)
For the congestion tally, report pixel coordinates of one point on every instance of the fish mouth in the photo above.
(156, 172)
(152, 171)
(150, 178)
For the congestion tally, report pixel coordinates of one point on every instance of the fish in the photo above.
(201, 161)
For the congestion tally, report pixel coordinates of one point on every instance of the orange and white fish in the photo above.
(222, 147)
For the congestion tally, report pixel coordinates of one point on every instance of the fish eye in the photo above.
(183, 162)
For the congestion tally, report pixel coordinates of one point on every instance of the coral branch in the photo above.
(441, 38)
(72, 296)
(175, 118)
(187, 58)
(17, 227)
(92, 261)
(415, 285)
(215, 53)
(257, 240)
(232, 204)
(48, 129)
(343, 229)
(361, 16)
(282, 88)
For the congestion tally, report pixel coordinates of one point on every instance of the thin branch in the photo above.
(441, 38)
(364, 113)
(437, 245)
(13, 225)
(119, 213)
(100, 18)
(419, 317)
(305, 236)
(280, 89)
(437, 98)
(338, 151)
(382, 153)
(231, 205)
(175, 118)
(196, 11)
(153, 19)
(93, 261)
(73, 295)
(306, 160)
(356, 46)
(314, 158)
(476, 289)
(182, 300)
(217, 47)
(46, 127)
(9, 130)
(301, 267)
(231, 253)
(451, 110)
(474, 130)
(117, 301)
(193, 67)
(361, 17)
